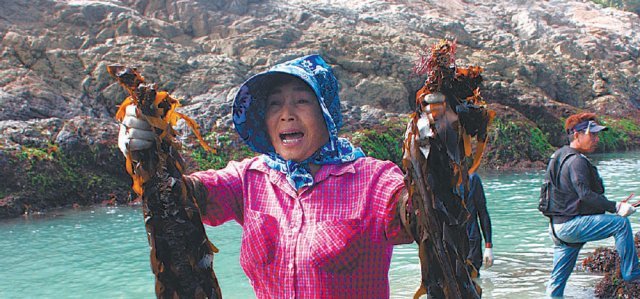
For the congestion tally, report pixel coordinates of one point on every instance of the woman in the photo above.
(319, 218)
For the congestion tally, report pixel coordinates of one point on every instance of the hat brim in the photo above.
(260, 83)
(248, 117)
(597, 128)
(249, 101)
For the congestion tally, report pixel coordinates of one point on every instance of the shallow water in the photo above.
(103, 252)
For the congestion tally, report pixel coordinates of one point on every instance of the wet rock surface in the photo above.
(606, 261)
(543, 60)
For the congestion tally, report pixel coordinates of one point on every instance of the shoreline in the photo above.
(118, 191)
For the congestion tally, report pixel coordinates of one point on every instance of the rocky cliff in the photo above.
(543, 60)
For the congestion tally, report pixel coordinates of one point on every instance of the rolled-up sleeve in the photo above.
(390, 187)
(398, 230)
(224, 199)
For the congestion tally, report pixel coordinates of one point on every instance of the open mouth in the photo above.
(291, 137)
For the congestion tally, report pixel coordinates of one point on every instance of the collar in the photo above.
(279, 179)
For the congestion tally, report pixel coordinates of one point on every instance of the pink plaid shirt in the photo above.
(332, 240)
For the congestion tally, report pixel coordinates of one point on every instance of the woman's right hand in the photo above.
(135, 133)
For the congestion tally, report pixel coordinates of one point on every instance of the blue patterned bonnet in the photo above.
(249, 114)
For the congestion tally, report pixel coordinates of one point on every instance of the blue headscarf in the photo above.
(249, 114)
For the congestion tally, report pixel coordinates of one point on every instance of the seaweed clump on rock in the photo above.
(606, 260)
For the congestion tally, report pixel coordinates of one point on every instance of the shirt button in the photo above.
(291, 266)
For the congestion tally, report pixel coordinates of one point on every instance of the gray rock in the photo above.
(559, 56)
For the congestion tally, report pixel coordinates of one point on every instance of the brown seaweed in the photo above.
(606, 260)
(181, 253)
(437, 158)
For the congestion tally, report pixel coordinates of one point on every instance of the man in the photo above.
(476, 204)
(578, 205)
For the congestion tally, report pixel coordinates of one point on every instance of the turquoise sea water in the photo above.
(102, 252)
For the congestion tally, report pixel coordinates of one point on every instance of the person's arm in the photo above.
(480, 200)
(219, 193)
(196, 188)
(390, 190)
(580, 171)
(476, 191)
(402, 225)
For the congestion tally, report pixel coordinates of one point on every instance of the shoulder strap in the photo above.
(554, 176)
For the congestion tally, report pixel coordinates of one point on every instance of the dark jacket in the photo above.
(579, 187)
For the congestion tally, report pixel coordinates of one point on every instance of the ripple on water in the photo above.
(102, 252)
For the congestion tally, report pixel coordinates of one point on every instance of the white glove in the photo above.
(624, 209)
(135, 133)
(487, 258)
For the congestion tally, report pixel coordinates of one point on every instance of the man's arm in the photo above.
(580, 172)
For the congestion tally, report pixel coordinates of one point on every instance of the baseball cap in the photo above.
(589, 126)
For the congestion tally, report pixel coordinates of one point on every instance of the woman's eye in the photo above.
(273, 103)
(303, 101)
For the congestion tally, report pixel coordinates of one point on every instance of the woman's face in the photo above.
(294, 121)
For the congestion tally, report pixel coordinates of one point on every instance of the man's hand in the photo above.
(624, 209)
(135, 133)
(487, 258)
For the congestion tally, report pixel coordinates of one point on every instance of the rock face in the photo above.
(47, 163)
(542, 59)
(546, 54)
